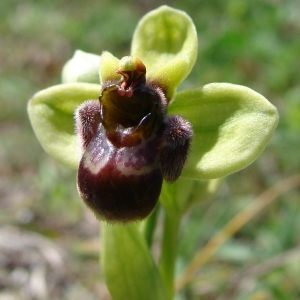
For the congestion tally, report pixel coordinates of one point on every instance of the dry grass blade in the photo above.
(206, 253)
(247, 276)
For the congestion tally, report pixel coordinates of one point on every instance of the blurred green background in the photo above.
(49, 240)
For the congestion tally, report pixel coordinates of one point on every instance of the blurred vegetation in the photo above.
(254, 43)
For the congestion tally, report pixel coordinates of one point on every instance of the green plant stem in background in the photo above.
(169, 250)
(148, 227)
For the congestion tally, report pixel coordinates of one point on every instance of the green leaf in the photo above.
(232, 126)
(127, 264)
(51, 112)
(166, 41)
(82, 67)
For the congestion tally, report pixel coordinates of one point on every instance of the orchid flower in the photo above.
(133, 130)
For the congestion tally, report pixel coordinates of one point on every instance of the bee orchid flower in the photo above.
(133, 129)
(129, 132)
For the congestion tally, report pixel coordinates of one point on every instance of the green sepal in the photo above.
(232, 126)
(51, 113)
(166, 41)
(127, 264)
(82, 67)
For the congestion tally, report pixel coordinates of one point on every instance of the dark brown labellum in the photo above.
(129, 146)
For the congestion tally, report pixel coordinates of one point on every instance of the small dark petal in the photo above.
(87, 119)
(176, 144)
(177, 131)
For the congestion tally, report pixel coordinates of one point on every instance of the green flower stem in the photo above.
(169, 252)
(149, 226)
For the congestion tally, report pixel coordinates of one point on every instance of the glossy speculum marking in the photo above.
(129, 146)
